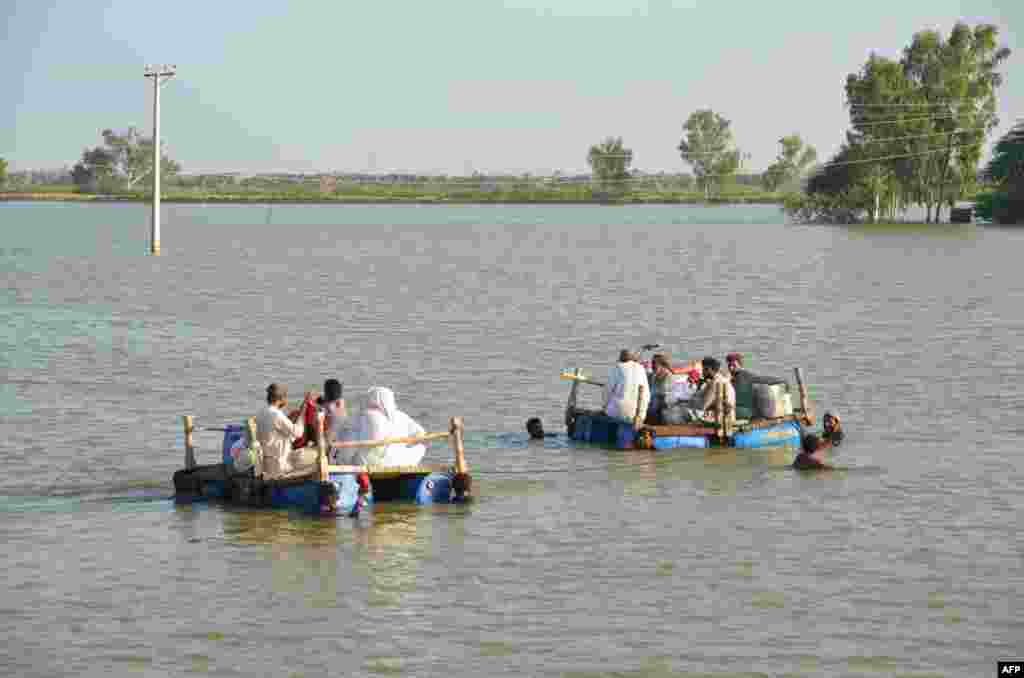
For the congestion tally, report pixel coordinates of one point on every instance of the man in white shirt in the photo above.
(622, 396)
(276, 432)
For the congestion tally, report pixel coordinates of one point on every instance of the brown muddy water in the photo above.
(574, 560)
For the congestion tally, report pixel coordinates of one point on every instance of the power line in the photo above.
(967, 130)
(893, 157)
(945, 116)
(948, 102)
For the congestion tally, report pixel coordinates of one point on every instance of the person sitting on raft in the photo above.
(811, 457)
(382, 419)
(672, 393)
(276, 432)
(622, 397)
(706, 403)
(739, 374)
(734, 363)
(333, 407)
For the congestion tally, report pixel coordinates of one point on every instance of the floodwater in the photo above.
(573, 560)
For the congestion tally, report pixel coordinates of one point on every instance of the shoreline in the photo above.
(271, 200)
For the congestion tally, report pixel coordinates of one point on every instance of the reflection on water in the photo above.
(388, 552)
(278, 528)
(382, 548)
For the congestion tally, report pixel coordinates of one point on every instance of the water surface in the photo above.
(574, 560)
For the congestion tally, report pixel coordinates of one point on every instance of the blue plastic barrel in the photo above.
(232, 432)
(435, 488)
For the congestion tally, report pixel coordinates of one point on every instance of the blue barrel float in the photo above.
(600, 429)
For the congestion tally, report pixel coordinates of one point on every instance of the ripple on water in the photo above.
(574, 558)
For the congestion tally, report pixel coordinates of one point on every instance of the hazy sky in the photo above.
(450, 86)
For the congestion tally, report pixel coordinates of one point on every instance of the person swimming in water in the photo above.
(536, 429)
(833, 429)
(811, 457)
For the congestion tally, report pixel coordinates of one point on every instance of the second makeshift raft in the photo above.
(594, 426)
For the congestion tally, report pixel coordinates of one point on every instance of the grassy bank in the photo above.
(416, 194)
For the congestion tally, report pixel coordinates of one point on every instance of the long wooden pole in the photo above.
(462, 482)
(638, 416)
(457, 444)
(250, 429)
(388, 470)
(578, 377)
(406, 440)
(190, 451)
(728, 415)
(570, 404)
(321, 440)
(721, 411)
(805, 402)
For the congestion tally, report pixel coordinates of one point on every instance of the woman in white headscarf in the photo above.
(382, 419)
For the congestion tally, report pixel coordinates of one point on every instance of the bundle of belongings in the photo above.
(758, 396)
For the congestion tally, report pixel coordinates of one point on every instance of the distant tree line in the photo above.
(122, 163)
(708, 147)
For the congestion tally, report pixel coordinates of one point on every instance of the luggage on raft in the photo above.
(771, 401)
(763, 398)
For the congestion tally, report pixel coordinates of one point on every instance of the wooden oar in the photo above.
(406, 440)
(389, 470)
(805, 401)
(580, 378)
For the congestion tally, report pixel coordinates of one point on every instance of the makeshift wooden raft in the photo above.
(594, 426)
(326, 489)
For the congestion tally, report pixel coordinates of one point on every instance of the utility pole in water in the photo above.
(160, 75)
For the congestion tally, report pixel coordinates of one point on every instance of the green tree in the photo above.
(1006, 172)
(122, 162)
(793, 160)
(926, 116)
(707, 146)
(888, 131)
(958, 78)
(610, 162)
(1006, 169)
(3, 172)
